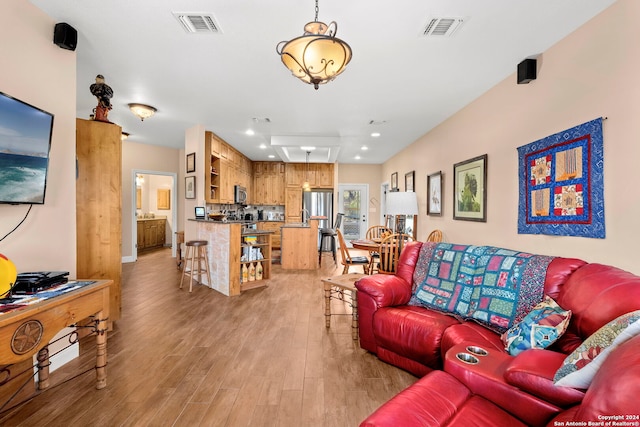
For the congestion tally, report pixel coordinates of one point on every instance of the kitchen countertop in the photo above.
(296, 225)
(234, 221)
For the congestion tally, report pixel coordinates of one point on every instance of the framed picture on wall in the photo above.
(409, 179)
(191, 162)
(394, 181)
(190, 187)
(434, 194)
(164, 199)
(470, 189)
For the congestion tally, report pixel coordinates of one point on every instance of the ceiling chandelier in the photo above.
(317, 56)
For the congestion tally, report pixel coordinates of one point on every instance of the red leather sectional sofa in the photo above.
(500, 389)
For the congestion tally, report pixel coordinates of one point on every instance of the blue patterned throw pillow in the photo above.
(544, 324)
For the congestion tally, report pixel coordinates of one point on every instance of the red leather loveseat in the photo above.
(498, 388)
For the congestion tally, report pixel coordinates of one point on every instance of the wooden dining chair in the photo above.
(435, 236)
(347, 259)
(389, 250)
(376, 232)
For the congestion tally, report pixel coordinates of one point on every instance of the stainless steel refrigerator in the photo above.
(319, 203)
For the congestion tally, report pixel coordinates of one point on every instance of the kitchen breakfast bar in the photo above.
(232, 249)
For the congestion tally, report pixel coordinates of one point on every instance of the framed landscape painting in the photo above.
(470, 189)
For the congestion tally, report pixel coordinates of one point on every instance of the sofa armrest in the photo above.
(533, 370)
(375, 292)
(385, 290)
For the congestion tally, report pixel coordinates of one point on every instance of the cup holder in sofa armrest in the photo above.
(532, 371)
(467, 358)
(477, 351)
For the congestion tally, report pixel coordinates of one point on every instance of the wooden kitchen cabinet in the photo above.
(212, 166)
(224, 168)
(273, 226)
(293, 205)
(268, 183)
(319, 175)
(324, 175)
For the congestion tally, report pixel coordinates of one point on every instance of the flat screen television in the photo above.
(25, 139)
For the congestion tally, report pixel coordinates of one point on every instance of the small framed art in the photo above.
(470, 189)
(409, 179)
(394, 181)
(434, 194)
(191, 162)
(190, 187)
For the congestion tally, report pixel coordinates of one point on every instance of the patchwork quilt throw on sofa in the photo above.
(493, 286)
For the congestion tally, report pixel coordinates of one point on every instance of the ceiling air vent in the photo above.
(442, 27)
(197, 22)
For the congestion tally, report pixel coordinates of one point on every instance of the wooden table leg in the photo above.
(43, 368)
(327, 304)
(101, 351)
(354, 314)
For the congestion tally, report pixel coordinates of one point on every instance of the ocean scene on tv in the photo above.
(25, 133)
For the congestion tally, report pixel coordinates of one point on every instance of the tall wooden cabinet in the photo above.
(98, 206)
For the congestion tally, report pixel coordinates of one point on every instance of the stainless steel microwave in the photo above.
(240, 195)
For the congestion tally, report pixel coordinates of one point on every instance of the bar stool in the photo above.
(329, 233)
(196, 251)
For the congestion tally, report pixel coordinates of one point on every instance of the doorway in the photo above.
(353, 202)
(154, 193)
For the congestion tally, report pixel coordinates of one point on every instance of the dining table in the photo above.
(370, 245)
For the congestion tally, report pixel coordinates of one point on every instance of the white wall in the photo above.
(38, 72)
(589, 74)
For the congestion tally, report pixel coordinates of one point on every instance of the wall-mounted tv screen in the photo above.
(25, 139)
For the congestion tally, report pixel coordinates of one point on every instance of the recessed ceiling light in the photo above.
(357, 157)
(250, 132)
(364, 148)
(263, 146)
(375, 134)
(271, 156)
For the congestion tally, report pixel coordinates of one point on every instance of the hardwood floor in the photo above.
(263, 358)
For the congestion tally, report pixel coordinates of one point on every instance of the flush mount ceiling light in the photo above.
(317, 56)
(143, 111)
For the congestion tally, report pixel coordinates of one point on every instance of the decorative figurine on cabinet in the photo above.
(103, 92)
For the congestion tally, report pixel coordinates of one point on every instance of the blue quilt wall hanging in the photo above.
(561, 183)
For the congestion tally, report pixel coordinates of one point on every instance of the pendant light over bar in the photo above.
(317, 56)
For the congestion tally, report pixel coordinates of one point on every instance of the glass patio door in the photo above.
(353, 203)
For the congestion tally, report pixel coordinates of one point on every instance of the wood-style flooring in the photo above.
(263, 358)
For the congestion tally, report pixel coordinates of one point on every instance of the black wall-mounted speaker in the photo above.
(527, 71)
(65, 36)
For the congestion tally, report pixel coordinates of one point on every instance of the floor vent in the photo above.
(446, 27)
(197, 23)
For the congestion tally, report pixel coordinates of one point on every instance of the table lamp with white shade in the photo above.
(401, 203)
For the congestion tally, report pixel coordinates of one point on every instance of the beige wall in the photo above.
(147, 158)
(589, 74)
(37, 71)
(363, 174)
